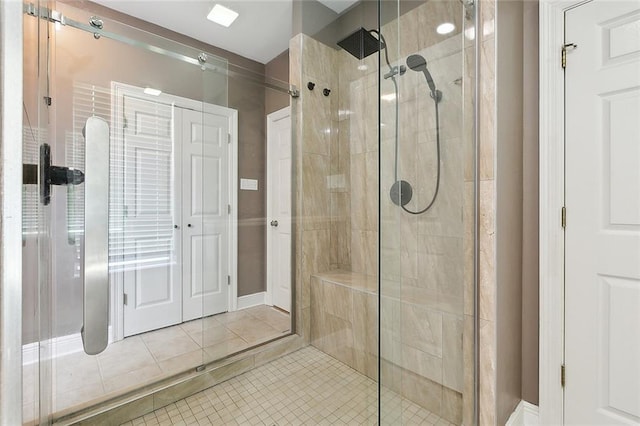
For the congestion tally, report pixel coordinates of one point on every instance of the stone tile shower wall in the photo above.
(422, 256)
(314, 120)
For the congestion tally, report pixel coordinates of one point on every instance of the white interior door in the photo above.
(151, 250)
(206, 224)
(602, 340)
(279, 207)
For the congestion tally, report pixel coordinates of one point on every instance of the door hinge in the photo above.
(125, 299)
(228, 137)
(564, 53)
(228, 279)
(564, 217)
(229, 208)
(562, 375)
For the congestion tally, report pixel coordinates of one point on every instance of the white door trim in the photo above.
(233, 217)
(271, 118)
(118, 90)
(551, 251)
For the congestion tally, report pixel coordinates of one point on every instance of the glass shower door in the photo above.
(116, 203)
(426, 213)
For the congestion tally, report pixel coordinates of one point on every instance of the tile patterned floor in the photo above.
(146, 358)
(306, 387)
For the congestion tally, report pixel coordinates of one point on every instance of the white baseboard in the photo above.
(61, 346)
(525, 414)
(250, 300)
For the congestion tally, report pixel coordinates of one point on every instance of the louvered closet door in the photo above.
(149, 244)
(205, 235)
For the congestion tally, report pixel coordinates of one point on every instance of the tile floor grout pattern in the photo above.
(307, 387)
(151, 356)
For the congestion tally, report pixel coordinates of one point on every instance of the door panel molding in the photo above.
(206, 167)
(552, 200)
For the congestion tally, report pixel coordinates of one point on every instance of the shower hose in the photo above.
(435, 97)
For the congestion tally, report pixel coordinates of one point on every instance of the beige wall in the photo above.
(249, 100)
(278, 69)
(508, 175)
(509, 203)
(530, 275)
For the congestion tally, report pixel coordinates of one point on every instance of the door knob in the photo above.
(176, 227)
(189, 225)
(274, 223)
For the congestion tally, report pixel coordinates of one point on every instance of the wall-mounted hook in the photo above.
(311, 85)
(326, 92)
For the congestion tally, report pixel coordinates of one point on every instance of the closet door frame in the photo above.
(116, 280)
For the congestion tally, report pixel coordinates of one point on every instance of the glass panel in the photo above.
(36, 232)
(335, 64)
(259, 276)
(189, 195)
(220, 187)
(426, 208)
(151, 115)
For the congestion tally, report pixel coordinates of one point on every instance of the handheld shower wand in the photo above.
(419, 64)
(401, 191)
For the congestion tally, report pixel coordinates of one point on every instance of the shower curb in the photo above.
(150, 398)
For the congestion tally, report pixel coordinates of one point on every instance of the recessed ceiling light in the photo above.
(152, 92)
(222, 15)
(445, 28)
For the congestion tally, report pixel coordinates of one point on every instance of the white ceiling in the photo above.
(261, 32)
(338, 6)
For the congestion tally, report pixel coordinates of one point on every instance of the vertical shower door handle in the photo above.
(95, 328)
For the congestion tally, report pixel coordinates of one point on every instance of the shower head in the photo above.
(361, 43)
(419, 64)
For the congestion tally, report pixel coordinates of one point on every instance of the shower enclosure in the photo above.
(183, 209)
(134, 147)
(387, 209)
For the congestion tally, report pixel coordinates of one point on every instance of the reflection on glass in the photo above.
(178, 224)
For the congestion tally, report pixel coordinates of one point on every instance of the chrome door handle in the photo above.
(95, 328)
(274, 223)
